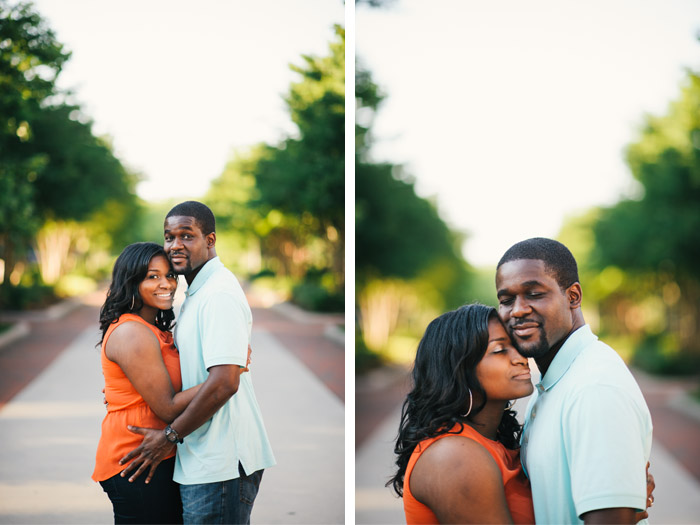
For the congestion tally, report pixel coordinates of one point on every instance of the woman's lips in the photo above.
(525, 376)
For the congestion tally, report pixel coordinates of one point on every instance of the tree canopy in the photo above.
(642, 252)
(53, 170)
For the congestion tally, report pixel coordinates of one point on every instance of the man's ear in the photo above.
(575, 295)
(211, 240)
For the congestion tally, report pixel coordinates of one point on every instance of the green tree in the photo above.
(304, 176)
(57, 180)
(408, 263)
(651, 245)
(30, 60)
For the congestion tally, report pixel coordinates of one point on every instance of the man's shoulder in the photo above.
(223, 288)
(600, 366)
(222, 280)
(600, 357)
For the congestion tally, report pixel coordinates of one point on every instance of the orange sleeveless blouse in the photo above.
(515, 483)
(125, 406)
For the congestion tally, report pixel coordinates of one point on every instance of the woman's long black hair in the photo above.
(123, 296)
(443, 373)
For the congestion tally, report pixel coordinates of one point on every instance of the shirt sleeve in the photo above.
(606, 452)
(225, 331)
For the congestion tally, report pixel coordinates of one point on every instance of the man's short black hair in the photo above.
(201, 213)
(556, 257)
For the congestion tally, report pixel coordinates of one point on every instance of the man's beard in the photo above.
(533, 349)
(182, 270)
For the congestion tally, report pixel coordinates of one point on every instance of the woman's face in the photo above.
(504, 374)
(157, 290)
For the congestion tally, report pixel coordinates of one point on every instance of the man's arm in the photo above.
(607, 516)
(221, 384)
(606, 454)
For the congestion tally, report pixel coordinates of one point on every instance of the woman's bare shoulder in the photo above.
(130, 335)
(457, 452)
(458, 479)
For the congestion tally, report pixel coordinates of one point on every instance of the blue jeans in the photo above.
(221, 502)
(137, 502)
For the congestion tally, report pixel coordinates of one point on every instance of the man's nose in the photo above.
(520, 307)
(175, 244)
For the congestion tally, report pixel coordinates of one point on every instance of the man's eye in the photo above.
(505, 301)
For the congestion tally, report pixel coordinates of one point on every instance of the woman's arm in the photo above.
(136, 350)
(460, 482)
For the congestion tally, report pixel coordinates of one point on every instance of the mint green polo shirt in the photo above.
(587, 434)
(213, 329)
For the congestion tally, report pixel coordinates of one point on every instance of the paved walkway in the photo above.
(51, 408)
(675, 455)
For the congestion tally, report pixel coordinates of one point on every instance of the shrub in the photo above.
(26, 297)
(661, 354)
(365, 359)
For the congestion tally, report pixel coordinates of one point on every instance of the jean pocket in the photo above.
(249, 486)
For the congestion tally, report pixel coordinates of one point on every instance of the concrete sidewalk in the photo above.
(49, 433)
(677, 493)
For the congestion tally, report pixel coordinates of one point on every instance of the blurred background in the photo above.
(481, 124)
(110, 114)
(113, 113)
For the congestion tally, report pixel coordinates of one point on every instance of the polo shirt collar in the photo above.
(566, 355)
(207, 270)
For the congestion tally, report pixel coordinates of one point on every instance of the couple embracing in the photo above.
(582, 455)
(190, 390)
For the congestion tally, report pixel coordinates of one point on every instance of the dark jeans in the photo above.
(221, 502)
(138, 502)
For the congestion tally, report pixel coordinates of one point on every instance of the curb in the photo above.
(51, 313)
(17, 331)
(335, 334)
(383, 377)
(331, 331)
(686, 405)
(295, 313)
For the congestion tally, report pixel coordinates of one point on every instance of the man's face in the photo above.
(185, 244)
(532, 306)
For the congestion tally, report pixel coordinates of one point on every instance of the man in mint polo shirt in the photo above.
(223, 447)
(587, 434)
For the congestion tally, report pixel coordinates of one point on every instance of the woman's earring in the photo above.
(470, 404)
(133, 300)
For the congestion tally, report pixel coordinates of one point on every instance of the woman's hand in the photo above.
(651, 485)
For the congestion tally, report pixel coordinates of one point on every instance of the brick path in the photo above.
(376, 396)
(324, 357)
(22, 360)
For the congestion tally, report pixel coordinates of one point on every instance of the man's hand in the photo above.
(152, 450)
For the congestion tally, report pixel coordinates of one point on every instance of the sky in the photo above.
(178, 86)
(514, 115)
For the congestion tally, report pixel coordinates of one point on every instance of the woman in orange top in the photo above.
(141, 367)
(458, 458)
